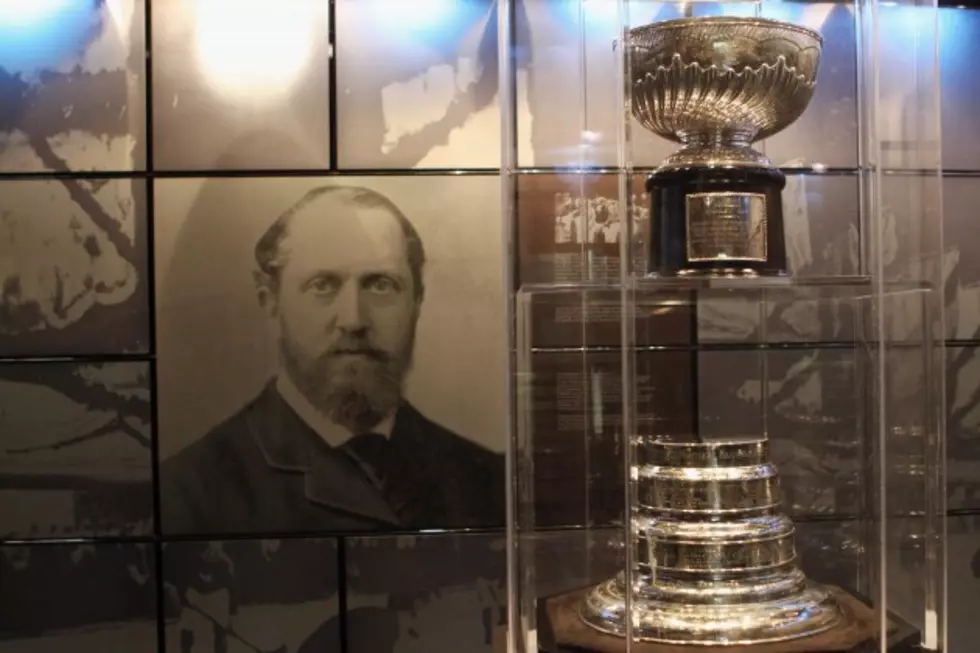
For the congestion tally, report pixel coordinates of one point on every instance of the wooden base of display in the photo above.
(560, 630)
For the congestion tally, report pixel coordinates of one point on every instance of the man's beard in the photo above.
(353, 383)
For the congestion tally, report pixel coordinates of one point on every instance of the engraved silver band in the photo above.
(728, 556)
(668, 494)
(714, 559)
(724, 589)
(728, 453)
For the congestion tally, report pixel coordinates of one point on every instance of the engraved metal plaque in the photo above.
(726, 226)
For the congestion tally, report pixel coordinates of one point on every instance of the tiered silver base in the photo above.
(714, 559)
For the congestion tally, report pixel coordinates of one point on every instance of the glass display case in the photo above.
(728, 380)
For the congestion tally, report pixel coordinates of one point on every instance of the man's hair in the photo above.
(268, 249)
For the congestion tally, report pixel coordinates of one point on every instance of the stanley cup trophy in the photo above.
(716, 85)
(714, 557)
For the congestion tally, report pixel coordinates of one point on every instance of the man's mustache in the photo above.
(357, 347)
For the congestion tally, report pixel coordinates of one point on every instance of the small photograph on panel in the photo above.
(237, 85)
(79, 597)
(75, 450)
(418, 84)
(72, 86)
(73, 268)
(256, 596)
(569, 226)
(963, 427)
(331, 354)
(426, 593)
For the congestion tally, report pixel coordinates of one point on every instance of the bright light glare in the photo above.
(415, 13)
(26, 12)
(251, 49)
(601, 9)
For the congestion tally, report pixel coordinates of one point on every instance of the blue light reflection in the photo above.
(425, 18)
(45, 34)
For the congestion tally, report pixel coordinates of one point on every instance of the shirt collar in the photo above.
(329, 431)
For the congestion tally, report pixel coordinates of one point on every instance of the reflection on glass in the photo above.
(417, 88)
(253, 51)
(241, 84)
(961, 196)
(959, 43)
(27, 15)
(963, 427)
(256, 596)
(70, 87)
(404, 592)
(415, 15)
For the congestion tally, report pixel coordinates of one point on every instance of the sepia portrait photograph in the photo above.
(332, 354)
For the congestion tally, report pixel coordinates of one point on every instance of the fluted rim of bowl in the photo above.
(678, 23)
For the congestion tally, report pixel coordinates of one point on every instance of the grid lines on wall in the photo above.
(121, 112)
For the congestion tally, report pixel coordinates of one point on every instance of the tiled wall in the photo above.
(145, 148)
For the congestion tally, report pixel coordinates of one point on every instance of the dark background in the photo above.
(100, 101)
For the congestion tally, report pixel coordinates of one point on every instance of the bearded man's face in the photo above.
(347, 310)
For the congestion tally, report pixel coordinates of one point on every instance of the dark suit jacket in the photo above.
(265, 470)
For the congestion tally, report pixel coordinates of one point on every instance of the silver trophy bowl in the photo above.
(717, 84)
(715, 561)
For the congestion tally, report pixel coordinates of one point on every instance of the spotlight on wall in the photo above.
(253, 50)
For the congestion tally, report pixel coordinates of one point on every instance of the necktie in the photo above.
(372, 453)
(378, 458)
